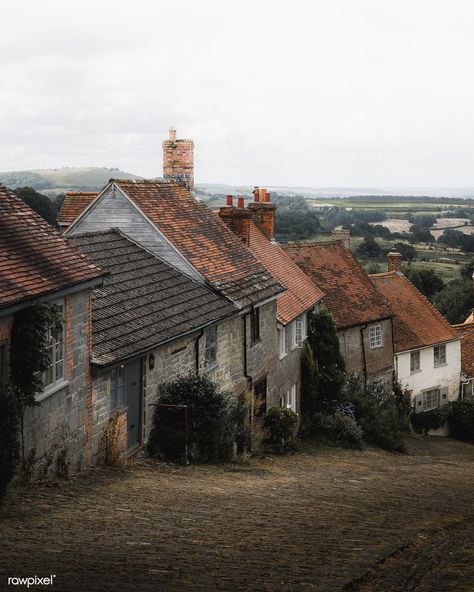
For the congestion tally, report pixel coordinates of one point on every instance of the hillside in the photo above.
(54, 181)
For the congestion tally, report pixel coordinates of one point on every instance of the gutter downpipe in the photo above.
(362, 329)
(196, 348)
(244, 343)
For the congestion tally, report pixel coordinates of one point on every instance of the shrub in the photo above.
(378, 410)
(461, 420)
(339, 430)
(211, 420)
(9, 446)
(430, 420)
(281, 424)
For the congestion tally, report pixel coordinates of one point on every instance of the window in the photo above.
(375, 336)
(255, 325)
(300, 331)
(439, 355)
(117, 390)
(431, 399)
(210, 353)
(282, 341)
(414, 361)
(55, 352)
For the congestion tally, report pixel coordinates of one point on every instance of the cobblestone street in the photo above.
(325, 520)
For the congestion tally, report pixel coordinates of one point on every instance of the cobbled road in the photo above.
(320, 520)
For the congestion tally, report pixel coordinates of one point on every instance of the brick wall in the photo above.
(55, 430)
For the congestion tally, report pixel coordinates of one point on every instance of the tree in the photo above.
(426, 280)
(408, 252)
(369, 248)
(455, 301)
(419, 234)
(39, 203)
(451, 237)
(323, 368)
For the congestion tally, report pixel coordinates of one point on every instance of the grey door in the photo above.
(133, 385)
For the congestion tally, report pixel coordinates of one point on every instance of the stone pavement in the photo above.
(321, 520)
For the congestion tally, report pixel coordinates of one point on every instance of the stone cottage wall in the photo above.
(56, 430)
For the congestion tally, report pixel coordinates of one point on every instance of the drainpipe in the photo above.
(196, 348)
(362, 329)
(244, 342)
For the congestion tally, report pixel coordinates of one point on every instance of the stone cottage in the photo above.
(151, 324)
(427, 349)
(255, 225)
(164, 218)
(363, 317)
(38, 265)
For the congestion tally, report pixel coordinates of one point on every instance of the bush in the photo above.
(461, 420)
(380, 413)
(430, 420)
(211, 421)
(281, 424)
(339, 430)
(9, 446)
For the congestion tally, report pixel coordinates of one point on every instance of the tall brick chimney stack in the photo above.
(178, 160)
(394, 261)
(237, 218)
(263, 212)
(342, 235)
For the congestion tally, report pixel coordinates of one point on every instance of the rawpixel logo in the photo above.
(32, 581)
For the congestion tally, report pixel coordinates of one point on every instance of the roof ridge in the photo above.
(157, 180)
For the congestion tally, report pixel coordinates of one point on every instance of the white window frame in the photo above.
(428, 395)
(415, 355)
(210, 349)
(437, 362)
(282, 341)
(375, 336)
(55, 377)
(300, 331)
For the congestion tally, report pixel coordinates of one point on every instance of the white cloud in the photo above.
(307, 92)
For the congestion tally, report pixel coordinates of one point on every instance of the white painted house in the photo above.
(427, 350)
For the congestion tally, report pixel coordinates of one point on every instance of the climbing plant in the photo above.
(31, 332)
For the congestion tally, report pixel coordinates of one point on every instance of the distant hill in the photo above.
(210, 189)
(54, 181)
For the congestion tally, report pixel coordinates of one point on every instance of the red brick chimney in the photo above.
(263, 212)
(342, 235)
(237, 218)
(394, 261)
(178, 160)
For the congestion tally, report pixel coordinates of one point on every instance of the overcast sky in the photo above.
(297, 92)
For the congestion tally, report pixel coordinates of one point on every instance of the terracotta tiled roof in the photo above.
(34, 259)
(417, 323)
(349, 294)
(301, 293)
(144, 302)
(204, 240)
(74, 204)
(466, 332)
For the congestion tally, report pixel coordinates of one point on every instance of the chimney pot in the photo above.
(241, 202)
(267, 196)
(256, 195)
(394, 261)
(261, 192)
(229, 200)
(172, 134)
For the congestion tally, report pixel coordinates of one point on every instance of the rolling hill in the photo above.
(54, 181)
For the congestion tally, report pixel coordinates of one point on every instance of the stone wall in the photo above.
(56, 429)
(354, 344)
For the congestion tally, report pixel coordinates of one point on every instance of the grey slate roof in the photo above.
(144, 301)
